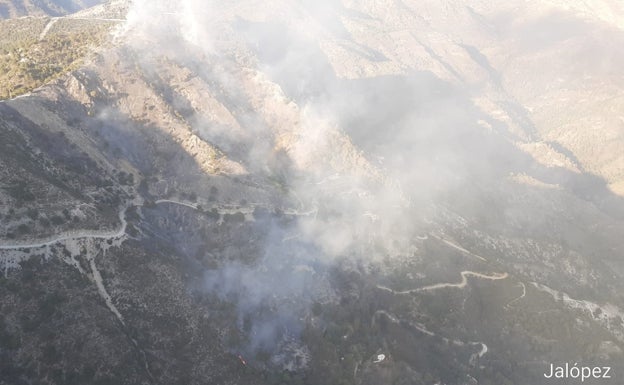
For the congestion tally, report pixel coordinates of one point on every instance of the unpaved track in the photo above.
(47, 28)
(460, 285)
(520, 297)
(457, 247)
(113, 234)
(421, 328)
(75, 234)
(53, 20)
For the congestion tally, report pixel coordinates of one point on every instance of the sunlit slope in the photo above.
(17, 8)
(36, 50)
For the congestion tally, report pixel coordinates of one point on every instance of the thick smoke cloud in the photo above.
(369, 146)
(356, 155)
(167, 22)
(273, 293)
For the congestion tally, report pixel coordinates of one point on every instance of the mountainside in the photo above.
(328, 192)
(17, 8)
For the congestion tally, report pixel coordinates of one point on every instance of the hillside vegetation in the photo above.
(29, 58)
(17, 8)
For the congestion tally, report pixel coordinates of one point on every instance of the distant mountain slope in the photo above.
(17, 8)
(296, 192)
(36, 50)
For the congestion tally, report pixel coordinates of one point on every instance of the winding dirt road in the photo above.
(74, 234)
(421, 328)
(121, 231)
(53, 21)
(460, 285)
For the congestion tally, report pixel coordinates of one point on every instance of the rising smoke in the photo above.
(367, 145)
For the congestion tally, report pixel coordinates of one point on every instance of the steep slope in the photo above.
(35, 51)
(287, 191)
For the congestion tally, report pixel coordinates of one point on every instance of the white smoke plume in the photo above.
(371, 139)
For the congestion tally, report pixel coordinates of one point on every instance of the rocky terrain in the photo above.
(334, 192)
